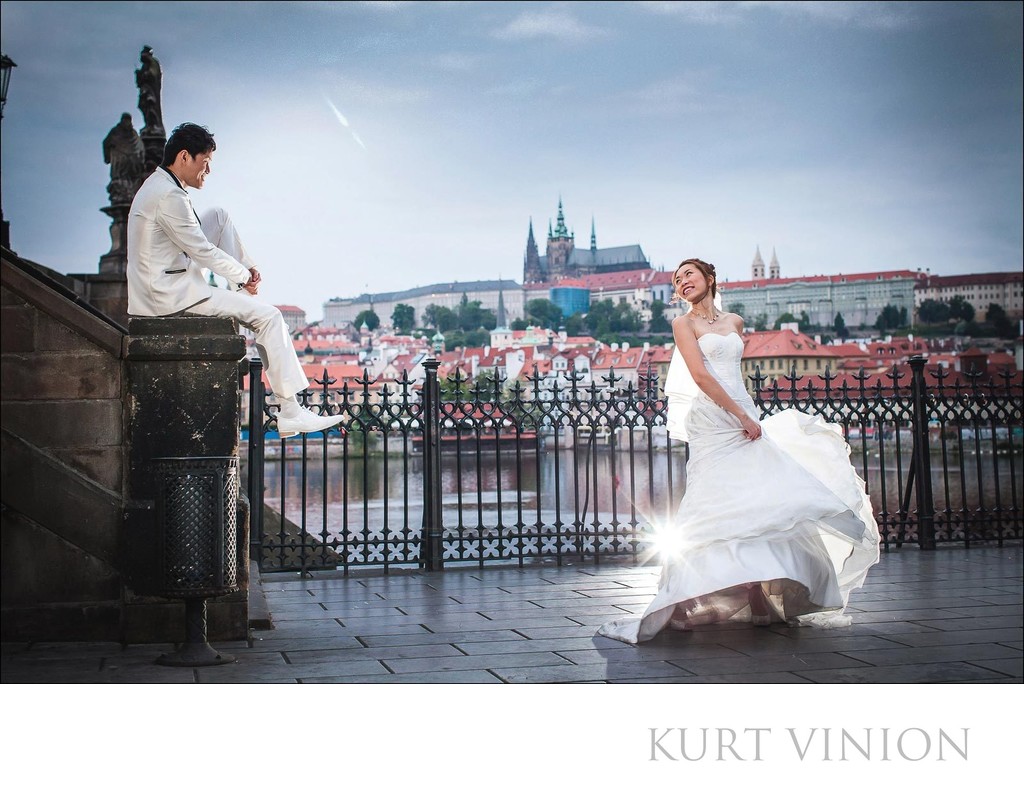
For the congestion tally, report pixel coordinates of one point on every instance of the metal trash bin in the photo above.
(196, 509)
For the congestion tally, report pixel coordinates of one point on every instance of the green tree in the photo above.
(840, 326)
(761, 322)
(785, 317)
(369, 317)
(890, 318)
(474, 337)
(960, 309)
(805, 321)
(471, 316)
(932, 311)
(737, 309)
(574, 324)
(996, 316)
(607, 321)
(403, 318)
(542, 312)
(659, 324)
(440, 317)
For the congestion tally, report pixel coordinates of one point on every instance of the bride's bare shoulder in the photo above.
(734, 319)
(682, 323)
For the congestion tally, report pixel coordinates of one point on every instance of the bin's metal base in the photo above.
(195, 654)
(195, 651)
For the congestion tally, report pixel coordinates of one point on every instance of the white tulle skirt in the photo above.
(787, 513)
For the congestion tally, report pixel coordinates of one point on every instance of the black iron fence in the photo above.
(469, 473)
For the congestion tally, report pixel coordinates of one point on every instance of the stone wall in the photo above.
(62, 464)
(85, 406)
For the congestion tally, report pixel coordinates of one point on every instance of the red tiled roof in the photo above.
(783, 343)
(853, 350)
(628, 279)
(968, 279)
(835, 279)
(341, 372)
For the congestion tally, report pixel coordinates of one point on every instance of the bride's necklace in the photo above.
(709, 320)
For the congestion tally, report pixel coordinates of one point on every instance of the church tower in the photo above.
(560, 245)
(532, 272)
(501, 318)
(773, 268)
(757, 267)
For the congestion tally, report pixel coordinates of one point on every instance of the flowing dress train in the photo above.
(786, 512)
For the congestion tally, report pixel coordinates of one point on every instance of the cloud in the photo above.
(553, 23)
(346, 7)
(700, 12)
(667, 95)
(880, 16)
(456, 62)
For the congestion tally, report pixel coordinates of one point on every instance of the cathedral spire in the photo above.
(757, 266)
(593, 235)
(531, 264)
(773, 268)
(501, 318)
(560, 230)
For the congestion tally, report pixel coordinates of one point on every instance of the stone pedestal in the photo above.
(154, 141)
(108, 293)
(181, 400)
(115, 262)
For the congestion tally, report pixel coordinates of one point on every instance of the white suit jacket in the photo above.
(168, 251)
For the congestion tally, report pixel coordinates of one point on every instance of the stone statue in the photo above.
(124, 151)
(148, 79)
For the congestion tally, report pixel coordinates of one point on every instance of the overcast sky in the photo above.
(370, 147)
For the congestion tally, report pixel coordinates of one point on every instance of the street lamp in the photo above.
(6, 63)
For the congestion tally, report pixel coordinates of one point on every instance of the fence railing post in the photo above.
(432, 527)
(257, 396)
(922, 457)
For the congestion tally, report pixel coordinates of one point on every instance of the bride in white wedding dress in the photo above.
(774, 524)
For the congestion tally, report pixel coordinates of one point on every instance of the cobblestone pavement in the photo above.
(950, 615)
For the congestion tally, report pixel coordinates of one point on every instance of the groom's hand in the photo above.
(253, 284)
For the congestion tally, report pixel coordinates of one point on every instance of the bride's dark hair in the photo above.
(706, 269)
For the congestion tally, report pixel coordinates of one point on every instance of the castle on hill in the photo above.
(563, 259)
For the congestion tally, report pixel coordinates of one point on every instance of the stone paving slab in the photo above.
(1012, 666)
(951, 615)
(976, 652)
(430, 651)
(949, 672)
(483, 636)
(677, 655)
(592, 672)
(980, 612)
(766, 678)
(479, 662)
(765, 663)
(451, 677)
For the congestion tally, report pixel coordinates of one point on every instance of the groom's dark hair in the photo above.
(193, 138)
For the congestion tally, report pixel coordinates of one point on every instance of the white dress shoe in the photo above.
(304, 421)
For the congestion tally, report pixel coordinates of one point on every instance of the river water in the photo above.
(383, 494)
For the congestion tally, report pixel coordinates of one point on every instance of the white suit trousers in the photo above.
(273, 340)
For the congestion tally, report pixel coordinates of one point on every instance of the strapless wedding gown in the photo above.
(787, 511)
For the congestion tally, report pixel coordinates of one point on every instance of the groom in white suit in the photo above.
(169, 249)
